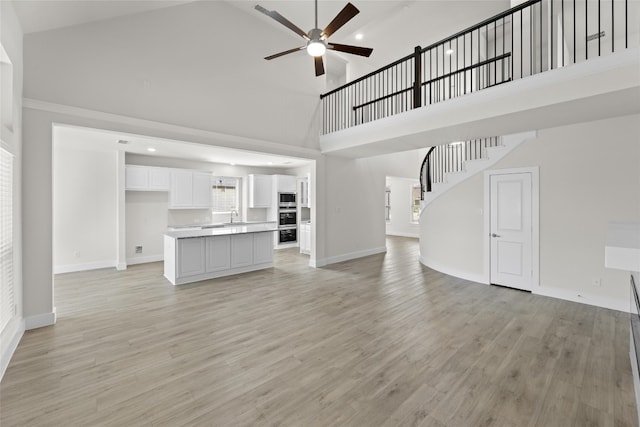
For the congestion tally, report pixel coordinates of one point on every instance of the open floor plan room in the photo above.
(381, 340)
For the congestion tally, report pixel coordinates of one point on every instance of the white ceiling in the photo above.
(43, 15)
(79, 138)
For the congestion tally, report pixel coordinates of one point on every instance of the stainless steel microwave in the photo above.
(287, 200)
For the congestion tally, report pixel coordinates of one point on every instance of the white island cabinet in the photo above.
(193, 255)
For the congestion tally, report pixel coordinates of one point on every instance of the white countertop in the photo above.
(622, 249)
(223, 231)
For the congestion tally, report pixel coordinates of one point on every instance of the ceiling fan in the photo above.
(316, 38)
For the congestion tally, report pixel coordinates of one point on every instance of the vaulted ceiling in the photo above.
(206, 57)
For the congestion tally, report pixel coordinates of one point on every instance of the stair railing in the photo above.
(449, 158)
(530, 38)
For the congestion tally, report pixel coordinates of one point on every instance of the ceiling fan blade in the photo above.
(286, 52)
(284, 21)
(345, 15)
(354, 50)
(319, 65)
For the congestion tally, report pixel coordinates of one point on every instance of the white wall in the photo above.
(401, 223)
(589, 175)
(198, 65)
(85, 209)
(353, 211)
(11, 40)
(146, 221)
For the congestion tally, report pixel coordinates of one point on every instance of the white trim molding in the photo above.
(221, 139)
(13, 341)
(583, 298)
(142, 260)
(465, 275)
(71, 268)
(40, 320)
(347, 257)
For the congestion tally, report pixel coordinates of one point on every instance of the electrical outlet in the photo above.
(139, 249)
(596, 281)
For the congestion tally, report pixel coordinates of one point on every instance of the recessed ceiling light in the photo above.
(449, 51)
(150, 149)
(270, 163)
(232, 164)
(359, 36)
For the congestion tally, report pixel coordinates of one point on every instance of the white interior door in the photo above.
(511, 230)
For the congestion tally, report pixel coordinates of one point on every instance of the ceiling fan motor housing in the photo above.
(316, 46)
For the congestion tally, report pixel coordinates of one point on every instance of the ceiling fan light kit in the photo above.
(316, 38)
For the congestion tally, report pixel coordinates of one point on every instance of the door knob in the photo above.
(494, 235)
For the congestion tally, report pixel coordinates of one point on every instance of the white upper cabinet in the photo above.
(181, 195)
(285, 183)
(260, 191)
(159, 179)
(190, 190)
(201, 190)
(146, 178)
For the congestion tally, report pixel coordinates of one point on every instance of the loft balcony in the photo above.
(541, 64)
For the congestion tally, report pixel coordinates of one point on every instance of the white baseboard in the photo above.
(347, 257)
(145, 259)
(13, 341)
(472, 277)
(70, 268)
(121, 266)
(317, 263)
(40, 320)
(403, 234)
(583, 298)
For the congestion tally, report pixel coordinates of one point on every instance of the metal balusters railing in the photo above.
(450, 158)
(533, 37)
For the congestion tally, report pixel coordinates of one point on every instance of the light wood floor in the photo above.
(379, 341)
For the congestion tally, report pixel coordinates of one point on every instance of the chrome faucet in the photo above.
(232, 212)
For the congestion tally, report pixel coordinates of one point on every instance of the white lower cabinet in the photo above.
(241, 250)
(191, 261)
(262, 248)
(305, 238)
(218, 253)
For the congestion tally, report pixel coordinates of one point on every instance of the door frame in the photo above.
(535, 220)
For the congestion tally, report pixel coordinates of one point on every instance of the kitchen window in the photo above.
(225, 195)
(7, 305)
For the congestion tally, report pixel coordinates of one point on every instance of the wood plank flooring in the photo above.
(379, 341)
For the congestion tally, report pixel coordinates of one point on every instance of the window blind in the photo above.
(6, 238)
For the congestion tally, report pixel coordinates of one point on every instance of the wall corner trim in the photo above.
(40, 320)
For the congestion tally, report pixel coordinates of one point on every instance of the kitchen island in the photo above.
(192, 255)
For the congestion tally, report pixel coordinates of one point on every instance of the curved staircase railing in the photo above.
(450, 158)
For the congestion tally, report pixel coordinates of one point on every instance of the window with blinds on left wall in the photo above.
(7, 305)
